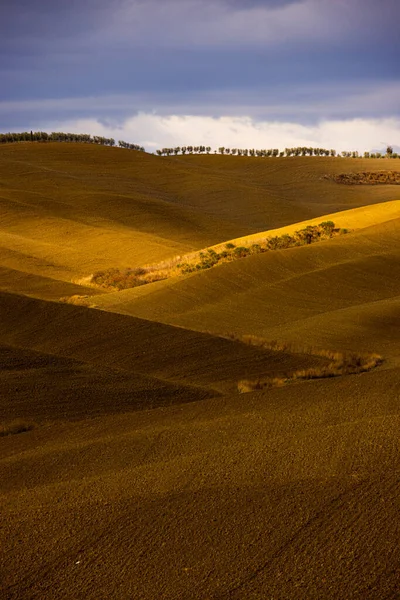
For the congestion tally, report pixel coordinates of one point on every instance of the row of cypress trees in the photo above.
(275, 152)
(57, 136)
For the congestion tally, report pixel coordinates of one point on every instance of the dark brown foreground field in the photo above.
(130, 465)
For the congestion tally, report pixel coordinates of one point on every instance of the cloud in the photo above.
(209, 23)
(218, 23)
(287, 60)
(195, 23)
(308, 103)
(155, 131)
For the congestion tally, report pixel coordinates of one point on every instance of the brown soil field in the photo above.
(130, 464)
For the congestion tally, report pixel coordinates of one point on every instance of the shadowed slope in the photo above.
(292, 493)
(135, 345)
(28, 284)
(36, 388)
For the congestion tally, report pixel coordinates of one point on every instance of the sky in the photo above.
(233, 73)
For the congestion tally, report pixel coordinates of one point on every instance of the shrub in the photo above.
(327, 227)
(241, 252)
(16, 426)
(368, 177)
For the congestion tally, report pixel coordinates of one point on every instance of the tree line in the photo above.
(275, 152)
(184, 150)
(57, 136)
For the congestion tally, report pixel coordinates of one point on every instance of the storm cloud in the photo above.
(297, 61)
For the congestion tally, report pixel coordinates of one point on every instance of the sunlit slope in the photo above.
(330, 293)
(70, 209)
(356, 218)
(263, 194)
(292, 493)
(135, 345)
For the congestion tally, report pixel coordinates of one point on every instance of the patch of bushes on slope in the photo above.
(130, 278)
(14, 427)
(78, 300)
(342, 363)
(367, 178)
(120, 280)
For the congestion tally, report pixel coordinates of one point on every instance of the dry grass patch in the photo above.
(344, 364)
(15, 426)
(78, 300)
(341, 363)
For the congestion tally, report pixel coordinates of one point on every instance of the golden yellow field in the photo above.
(131, 464)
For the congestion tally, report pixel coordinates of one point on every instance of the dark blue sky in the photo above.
(106, 64)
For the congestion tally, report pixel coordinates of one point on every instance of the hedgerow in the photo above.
(206, 259)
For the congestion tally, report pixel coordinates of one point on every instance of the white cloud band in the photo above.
(155, 131)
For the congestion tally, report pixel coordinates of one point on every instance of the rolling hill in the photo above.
(131, 466)
(71, 209)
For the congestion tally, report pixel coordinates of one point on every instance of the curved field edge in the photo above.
(209, 258)
(103, 340)
(358, 219)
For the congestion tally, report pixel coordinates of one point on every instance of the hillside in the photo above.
(131, 464)
(71, 209)
(296, 494)
(308, 295)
